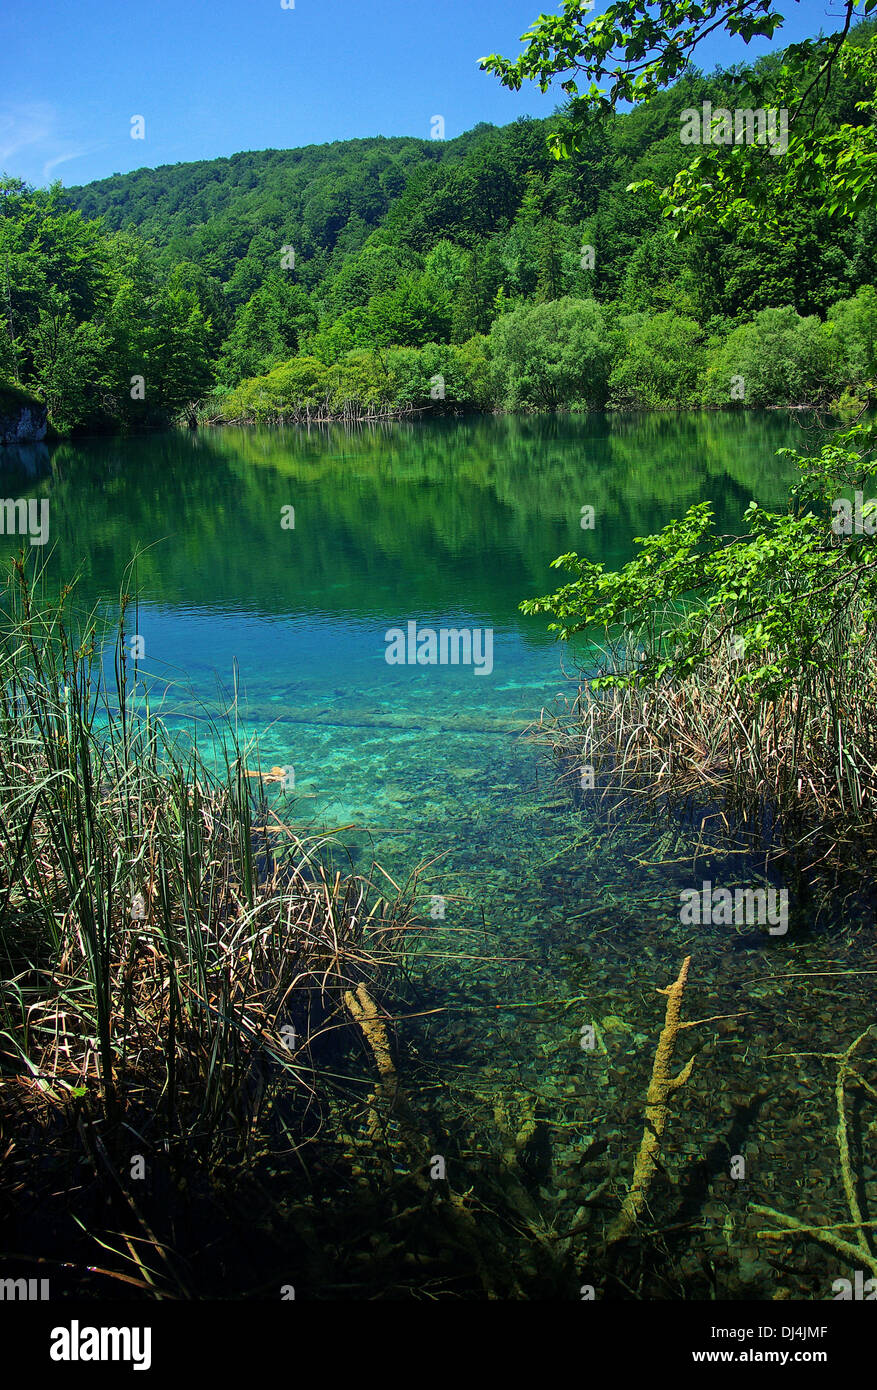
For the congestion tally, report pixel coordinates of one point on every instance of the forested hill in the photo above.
(219, 212)
(316, 263)
(361, 213)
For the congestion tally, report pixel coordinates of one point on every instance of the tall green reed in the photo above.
(146, 951)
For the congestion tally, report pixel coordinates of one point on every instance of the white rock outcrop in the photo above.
(25, 424)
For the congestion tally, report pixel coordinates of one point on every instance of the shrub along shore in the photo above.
(577, 354)
(739, 672)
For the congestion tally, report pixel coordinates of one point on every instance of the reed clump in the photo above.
(166, 962)
(803, 759)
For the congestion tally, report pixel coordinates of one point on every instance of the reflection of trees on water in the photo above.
(31, 461)
(473, 509)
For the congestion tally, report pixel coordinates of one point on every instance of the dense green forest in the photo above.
(401, 274)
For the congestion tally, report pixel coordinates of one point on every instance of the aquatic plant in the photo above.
(170, 968)
(741, 670)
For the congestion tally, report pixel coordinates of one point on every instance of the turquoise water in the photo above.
(553, 917)
(448, 524)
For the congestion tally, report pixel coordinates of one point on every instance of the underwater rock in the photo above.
(613, 1024)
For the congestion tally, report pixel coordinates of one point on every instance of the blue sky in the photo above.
(211, 77)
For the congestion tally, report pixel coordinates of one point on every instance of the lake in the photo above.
(447, 523)
(541, 916)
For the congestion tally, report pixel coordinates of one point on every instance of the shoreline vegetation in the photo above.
(576, 355)
(570, 356)
(738, 674)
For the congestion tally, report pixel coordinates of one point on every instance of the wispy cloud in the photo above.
(23, 128)
(51, 164)
(33, 136)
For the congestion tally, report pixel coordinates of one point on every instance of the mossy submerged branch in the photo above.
(661, 1089)
(854, 1253)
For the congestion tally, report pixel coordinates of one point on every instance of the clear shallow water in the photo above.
(552, 918)
(450, 524)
